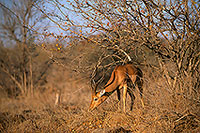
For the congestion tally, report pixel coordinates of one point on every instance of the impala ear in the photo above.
(102, 92)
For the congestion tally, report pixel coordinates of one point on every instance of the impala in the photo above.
(120, 77)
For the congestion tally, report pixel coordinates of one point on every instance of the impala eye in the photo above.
(95, 99)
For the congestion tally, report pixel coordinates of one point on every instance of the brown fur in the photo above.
(118, 80)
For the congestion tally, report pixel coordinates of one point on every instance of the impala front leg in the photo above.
(118, 95)
(119, 98)
(124, 97)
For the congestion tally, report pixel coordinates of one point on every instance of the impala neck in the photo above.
(111, 86)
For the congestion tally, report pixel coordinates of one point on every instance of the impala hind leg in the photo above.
(138, 83)
(124, 97)
(130, 92)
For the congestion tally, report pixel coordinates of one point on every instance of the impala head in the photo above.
(97, 98)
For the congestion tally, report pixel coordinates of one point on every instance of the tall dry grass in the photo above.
(167, 109)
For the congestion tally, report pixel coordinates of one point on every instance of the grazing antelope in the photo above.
(119, 79)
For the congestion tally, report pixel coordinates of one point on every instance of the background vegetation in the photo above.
(51, 51)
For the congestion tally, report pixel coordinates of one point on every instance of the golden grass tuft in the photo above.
(166, 110)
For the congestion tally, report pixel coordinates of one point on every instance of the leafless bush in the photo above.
(19, 60)
(135, 29)
(161, 37)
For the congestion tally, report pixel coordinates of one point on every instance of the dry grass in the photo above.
(165, 111)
